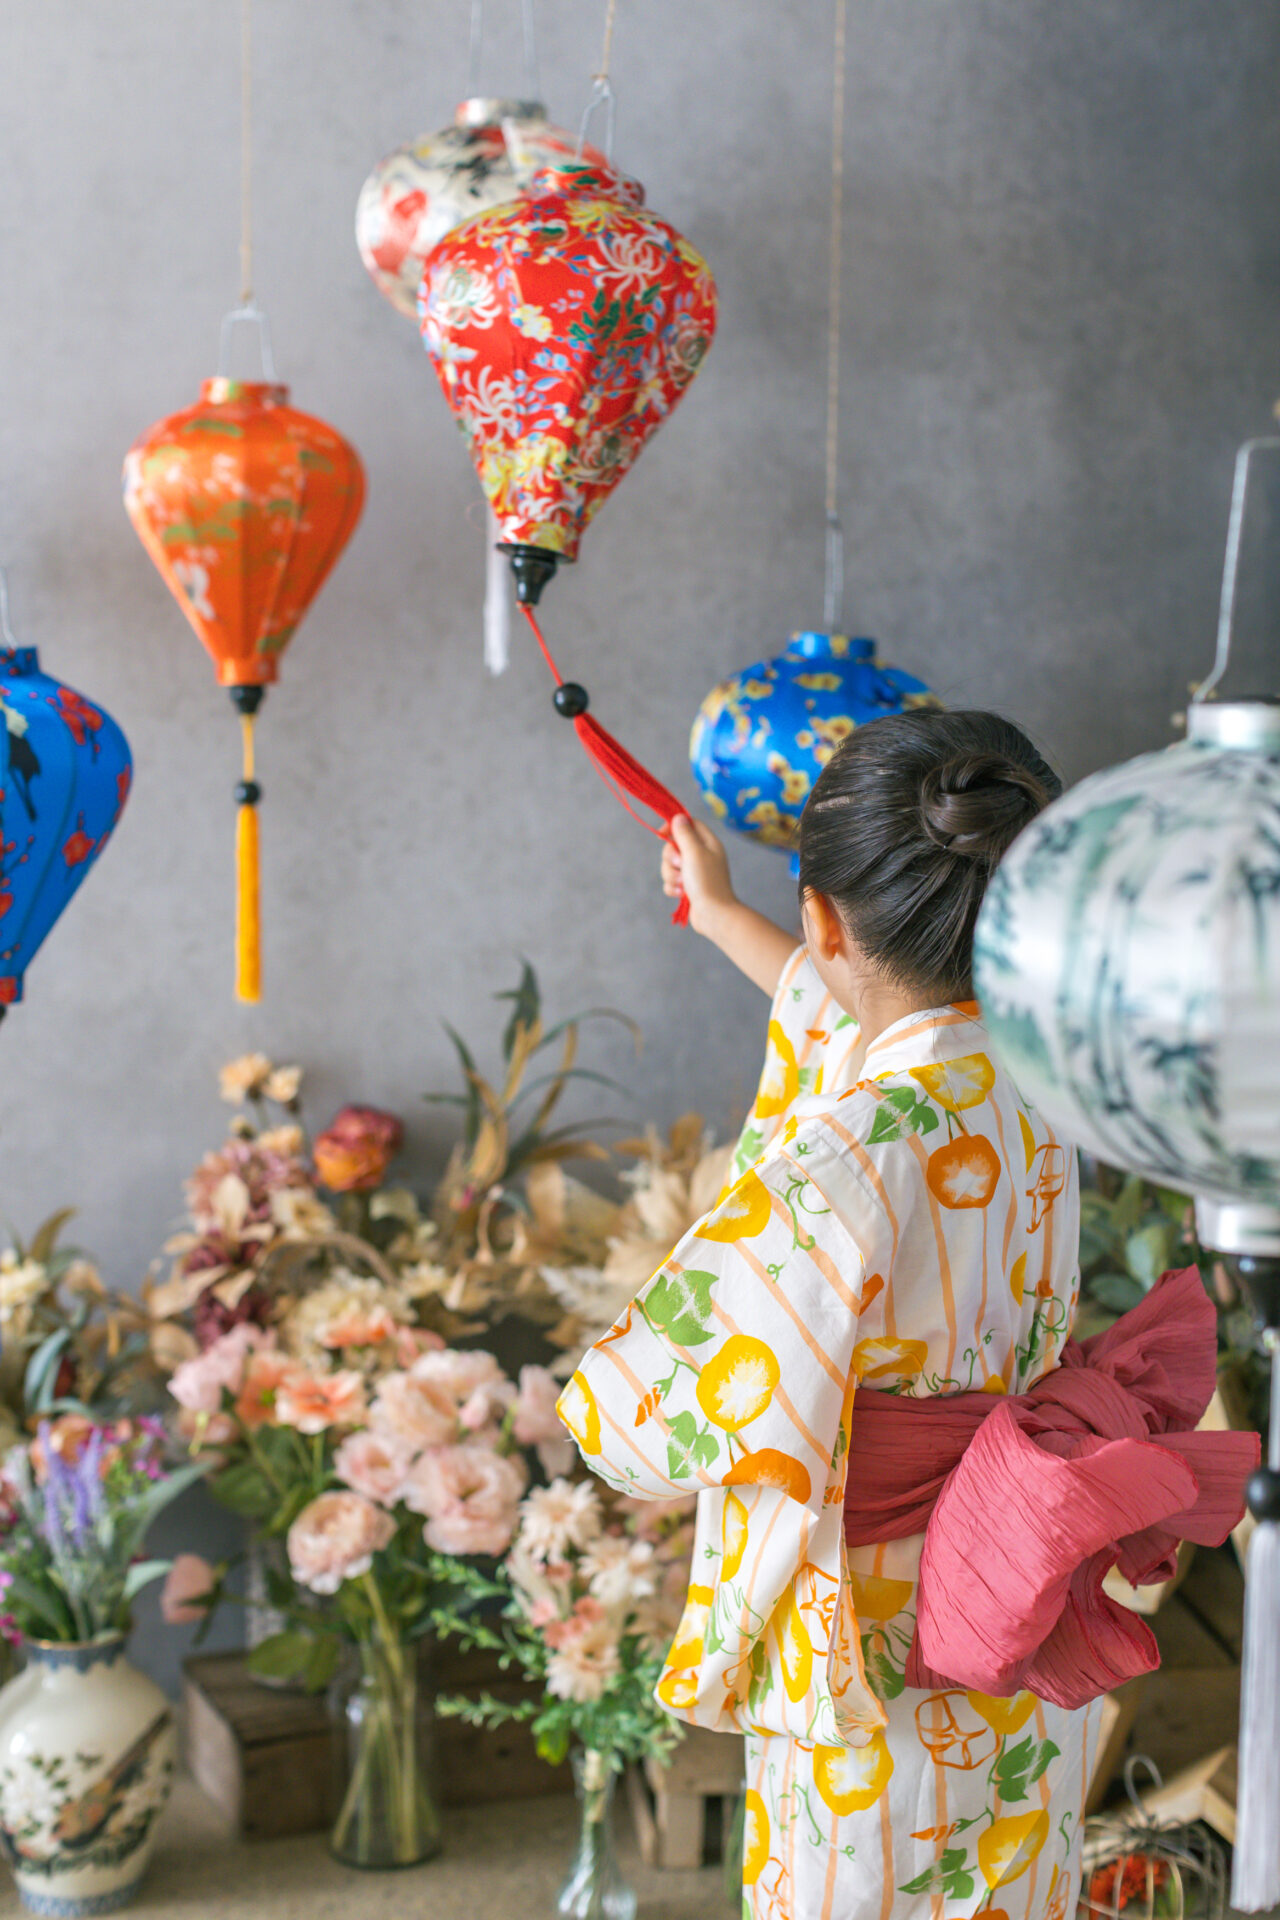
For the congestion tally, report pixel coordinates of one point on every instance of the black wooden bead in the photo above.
(248, 793)
(1263, 1494)
(570, 700)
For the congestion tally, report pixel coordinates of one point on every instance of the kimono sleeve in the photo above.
(730, 1368)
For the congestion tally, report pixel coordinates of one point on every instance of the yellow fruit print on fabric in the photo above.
(964, 1173)
(755, 1837)
(876, 1599)
(686, 1648)
(957, 1085)
(1003, 1716)
(1028, 1138)
(877, 1358)
(850, 1778)
(736, 1384)
(780, 1082)
(1008, 1846)
(733, 1535)
(795, 1648)
(769, 1467)
(577, 1408)
(1018, 1279)
(743, 1214)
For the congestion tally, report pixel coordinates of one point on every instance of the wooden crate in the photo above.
(266, 1757)
(672, 1805)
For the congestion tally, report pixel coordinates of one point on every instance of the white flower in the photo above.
(618, 1571)
(21, 1282)
(282, 1084)
(556, 1518)
(246, 1075)
(586, 1666)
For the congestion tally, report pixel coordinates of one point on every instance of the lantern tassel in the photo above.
(248, 862)
(1255, 1870)
(619, 770)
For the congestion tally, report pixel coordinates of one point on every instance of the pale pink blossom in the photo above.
(619, 1570)
(470, 1497)
(189, 1580)
(315, 1402)
(485, 1409)
(542, 1613)
(457, 1376)
(359, 1326)
(586, 1666)
(335, 1538)
(198, 1383)
(537, 1424)
(414, 1411)
(207, 1429)
(557, 1518)
(413, 1341)
(375, 1464)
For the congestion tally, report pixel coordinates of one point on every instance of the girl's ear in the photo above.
(825, 931)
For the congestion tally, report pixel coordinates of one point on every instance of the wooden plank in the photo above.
(1118, 1712)
(703, 1762)
(1186, 1714)
(1214, 1589)
(1185, 1639)
(1206, 1791)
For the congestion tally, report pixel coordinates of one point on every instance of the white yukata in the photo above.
(899, 1217)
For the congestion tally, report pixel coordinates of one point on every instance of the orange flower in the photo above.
(737, 1383)
(768, 1467)
(356, 1148)
(315, 1402)
(358, 1326)
(964, 1173)
(256, 1400)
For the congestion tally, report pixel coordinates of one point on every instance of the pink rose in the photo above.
(414, 1411)
(354, 1151)
(198, 1383)
(335, 1538)
(374, 1464)
(189, 1581)
(315, 1402)
(470, 1497)
(537, 1424)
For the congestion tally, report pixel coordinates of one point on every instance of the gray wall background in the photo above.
(1062, 266)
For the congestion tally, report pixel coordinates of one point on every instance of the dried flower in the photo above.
(244, 1078)
(21, 1283)
(356, 1148)
(334, 1539)
(283, 1085)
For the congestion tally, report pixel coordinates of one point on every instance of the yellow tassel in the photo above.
(248, 890)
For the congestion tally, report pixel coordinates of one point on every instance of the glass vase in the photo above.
(383, 1725)
(595, 1888)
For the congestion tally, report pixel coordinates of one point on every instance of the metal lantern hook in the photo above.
(1231, 564)
(250, 314)
(7, 638)
(602, 95)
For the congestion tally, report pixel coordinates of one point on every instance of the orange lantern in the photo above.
(244, 504)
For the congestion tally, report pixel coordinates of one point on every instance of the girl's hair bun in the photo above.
(976, 804)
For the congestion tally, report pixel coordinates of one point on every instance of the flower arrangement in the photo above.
(78, 1501)
(593, 1590)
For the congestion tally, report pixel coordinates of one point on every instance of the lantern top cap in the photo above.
(1245, 725)
(490, 110)
(582, 176)
(222, 390)
(828, 646)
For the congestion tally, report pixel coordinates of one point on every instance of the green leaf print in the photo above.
(1020, 1767)
(750, 1147)
(902, 1111)
(950, 1876)
(689, 1446)
(679, 1305)
(886, 1680)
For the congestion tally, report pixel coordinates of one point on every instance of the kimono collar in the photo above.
(937, 1033)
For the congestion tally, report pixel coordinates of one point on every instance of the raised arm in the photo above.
(698, 865)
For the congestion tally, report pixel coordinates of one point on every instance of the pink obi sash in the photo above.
(1027, 1502)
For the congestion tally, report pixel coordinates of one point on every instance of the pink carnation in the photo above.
(335, 1538)
(470, 1497)
(198, 1383)
(414, 1412)
(374, 1464)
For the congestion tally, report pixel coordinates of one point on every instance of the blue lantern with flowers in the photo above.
(761, 739)
(65, 769)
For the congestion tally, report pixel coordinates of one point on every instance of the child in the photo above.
(901, 1239)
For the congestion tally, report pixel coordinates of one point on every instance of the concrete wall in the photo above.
(1061, 297)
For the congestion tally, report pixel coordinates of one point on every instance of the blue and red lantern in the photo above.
(65, 769)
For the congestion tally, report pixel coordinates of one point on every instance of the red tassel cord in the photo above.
(620, 771)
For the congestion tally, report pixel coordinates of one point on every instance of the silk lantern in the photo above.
(1127, 959)
(430, 185)
(244, 504)
(761, 739)
(564, 328)
(65, 770)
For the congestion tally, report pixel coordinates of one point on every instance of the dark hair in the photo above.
(904, 828)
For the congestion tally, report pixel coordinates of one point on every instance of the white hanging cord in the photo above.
(602, 94)
(246, 154)
(1231, 564)
(474, 48)
(7, 638)
(248, 310)
(833, 596)
(532, 82)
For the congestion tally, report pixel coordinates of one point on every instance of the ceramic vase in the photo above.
(86, 1764)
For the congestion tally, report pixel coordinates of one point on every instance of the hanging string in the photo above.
(532, 81)
(246, 154)
(474, 48)
(621, 772)
(833, 597)
(602, 94)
